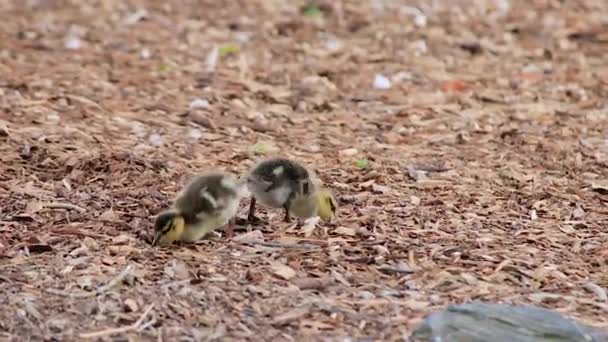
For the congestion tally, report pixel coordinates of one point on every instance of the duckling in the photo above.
(209, 202)
(320, 203)
(284, 183)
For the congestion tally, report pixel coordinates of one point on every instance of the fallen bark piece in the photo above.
(479, 322)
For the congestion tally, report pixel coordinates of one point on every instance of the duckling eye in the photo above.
(331, 204)
(168, 226)
(305, 188)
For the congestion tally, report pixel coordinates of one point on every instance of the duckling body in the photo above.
(284, 183)
(209, 202)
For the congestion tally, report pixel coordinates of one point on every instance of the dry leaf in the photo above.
(349, 152)
(130, 305)
(108, 215)
(283, 270)
(346, 231)
(309, 225)
(252, 236)
(34, 207)
(39, 248)
(578, 213)
(177, 270)
(417, 175)
(291, 315)
(311, 283)
(380, 189)
(415, 200)
(600, 186)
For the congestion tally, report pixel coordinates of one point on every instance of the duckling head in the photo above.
(326, 204)
(168, 228)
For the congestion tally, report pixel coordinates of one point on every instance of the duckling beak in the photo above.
(156, 238)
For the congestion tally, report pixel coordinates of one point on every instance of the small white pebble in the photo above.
(533, 215)
(419, 17)
(365, 295)
(145, 53)
(212, 58)
(155, 139)
(332, 43)
(72, 43)
(402, 76)
(349, 152)
(136, 16)
(137, 128)
(381, 82)
(53, 117)
(243, 37)
(199, 103)
(195, 134)
(419, 47)
(503, 6)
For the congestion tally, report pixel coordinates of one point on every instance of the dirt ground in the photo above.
(465, 140)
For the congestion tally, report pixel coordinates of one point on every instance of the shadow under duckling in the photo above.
(284, 183)
(209, 202)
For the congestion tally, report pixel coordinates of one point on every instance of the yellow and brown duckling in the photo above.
(284, 183)
(209, 202)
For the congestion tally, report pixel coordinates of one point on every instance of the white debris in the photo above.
(243, 37)
(53, 117)
(199, 103)
(309, 225)
(136, 16)
(419, 17)
(212, 58)
(419, 47)
(402, 76)
(195, 134)
(381, 82)
(533, 215)
(72, 43)
(331, 42)
(503, 6)
(349, 152)
(155, 140)
(137, 128)
(145, 53)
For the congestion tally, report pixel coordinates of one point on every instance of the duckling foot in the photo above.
(252, 219)
(286, 218)
(230, 229)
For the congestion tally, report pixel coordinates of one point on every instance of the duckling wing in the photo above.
(206, 195)
(263, 183)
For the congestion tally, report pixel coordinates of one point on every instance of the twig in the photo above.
(599, 291)
(116, 280)
(113, 331)
(112, 283)
(279, 244)
(86, 101)
(68, 206)
(76, 231)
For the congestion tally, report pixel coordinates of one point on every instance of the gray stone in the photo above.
(482, 322)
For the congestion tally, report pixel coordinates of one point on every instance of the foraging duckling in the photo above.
(284, 183)
(209, 202)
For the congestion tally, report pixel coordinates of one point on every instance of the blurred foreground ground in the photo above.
(466, 142)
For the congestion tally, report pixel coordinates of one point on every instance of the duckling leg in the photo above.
(286, 219)
(230, 228)
(251, 217)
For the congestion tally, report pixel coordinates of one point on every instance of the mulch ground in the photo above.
(465, 140)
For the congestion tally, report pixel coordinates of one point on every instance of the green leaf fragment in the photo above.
(228, 49)
(312, 11)
(164, 67)
(362, 163)
(261, 148)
